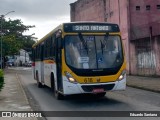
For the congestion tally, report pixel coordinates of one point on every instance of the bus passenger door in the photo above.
(42, 64)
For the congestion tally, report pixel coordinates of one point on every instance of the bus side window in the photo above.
(33, 54)
(36, 53)
(50, 47)
(53, 46)
(39, 53)
(45, 49)
(42, 52)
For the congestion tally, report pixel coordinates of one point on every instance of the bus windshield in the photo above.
(93, 51)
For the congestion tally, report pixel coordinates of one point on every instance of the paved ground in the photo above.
(13, 97)
(146, 83)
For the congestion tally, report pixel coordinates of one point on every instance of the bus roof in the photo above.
(46, 36)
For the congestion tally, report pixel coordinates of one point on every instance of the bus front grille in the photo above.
(90, 88)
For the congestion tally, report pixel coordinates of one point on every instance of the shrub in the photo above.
(1, 79)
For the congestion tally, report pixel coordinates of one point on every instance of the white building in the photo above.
(22, 58)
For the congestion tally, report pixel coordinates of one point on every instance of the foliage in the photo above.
(1, 79)
(13, 38)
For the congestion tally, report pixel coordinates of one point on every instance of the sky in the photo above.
(44, 14)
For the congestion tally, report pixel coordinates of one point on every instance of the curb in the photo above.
(26, 99)
(27, 94)
(20, 83)
(143, 88)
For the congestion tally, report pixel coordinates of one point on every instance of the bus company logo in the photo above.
(98, 80)
(6, 114)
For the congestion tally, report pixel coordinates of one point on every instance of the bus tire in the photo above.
(57, 95)
(52, 82)
(39, 84)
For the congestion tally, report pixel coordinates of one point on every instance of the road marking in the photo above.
(27, 68)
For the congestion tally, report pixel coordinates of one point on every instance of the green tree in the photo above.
(13, 38)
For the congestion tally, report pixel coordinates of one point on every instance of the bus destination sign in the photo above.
(91, 28)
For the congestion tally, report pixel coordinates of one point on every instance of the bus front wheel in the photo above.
(57, 95)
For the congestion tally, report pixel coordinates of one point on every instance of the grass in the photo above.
(1, 79)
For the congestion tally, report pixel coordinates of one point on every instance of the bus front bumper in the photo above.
(76, 88)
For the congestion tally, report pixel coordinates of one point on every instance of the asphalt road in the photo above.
(130, 100)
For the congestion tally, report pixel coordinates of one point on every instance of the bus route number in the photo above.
(88, 80)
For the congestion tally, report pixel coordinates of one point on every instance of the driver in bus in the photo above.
(72, 55)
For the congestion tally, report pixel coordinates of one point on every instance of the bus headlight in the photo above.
(121, 77)
(70, 77)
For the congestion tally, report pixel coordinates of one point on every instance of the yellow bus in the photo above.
(80, 58)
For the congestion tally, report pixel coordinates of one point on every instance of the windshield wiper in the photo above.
(102, 46)
(105, 39)
(83, 41)
(104, 43)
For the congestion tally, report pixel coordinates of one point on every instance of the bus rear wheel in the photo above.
(39, 84)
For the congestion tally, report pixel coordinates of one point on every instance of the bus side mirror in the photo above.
(59, 39)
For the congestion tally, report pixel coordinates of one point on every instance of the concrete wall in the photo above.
(142, 20)
(117, 12)
(137, 27)
(144, 26)
(87, 10)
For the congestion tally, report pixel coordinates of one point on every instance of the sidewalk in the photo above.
(13, 97)
(146, 83)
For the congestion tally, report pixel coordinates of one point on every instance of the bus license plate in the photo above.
(98, 90)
